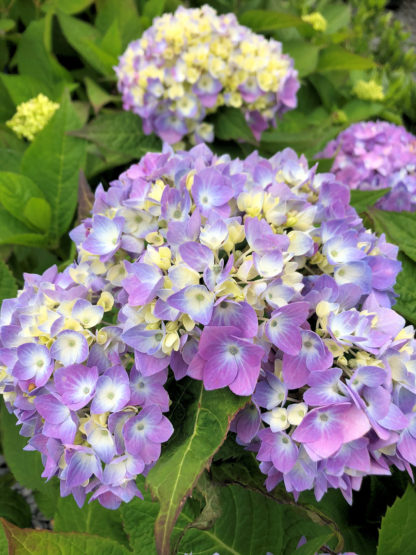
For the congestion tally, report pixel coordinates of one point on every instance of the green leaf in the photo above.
(8, 286)
(335, 58)
(309, 141)
(11, 150)
(337, 16)
(405, 288)
(38, 212)
(399, 227)
(398, 532)
(328, 92)
(39, 542)
(358, 110)
(70, 7)
(96, 95)
(14, 232)
(325, 164)
(189, 452)
(92, 518)
(230, 124)
(47, 498)
(305, 55)
(15, 192)
(13, 507)
(265, 20)
(4, 548)
(124, 12)
(84, 39)
(26, 466)
(138, 519)
(314, 545)
(34, 60)
(362, 200)
(153, 8)
(250, 524)
(23, 87)
(53, 161)
(111, 41)
(119, 132)
(6, 25)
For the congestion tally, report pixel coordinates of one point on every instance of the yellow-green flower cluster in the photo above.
(368, 90)
(190, 63)
(317, 20)
(32, 116)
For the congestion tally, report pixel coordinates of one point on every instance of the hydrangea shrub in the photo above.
(377, 155)
(254, 275)
(190, 63)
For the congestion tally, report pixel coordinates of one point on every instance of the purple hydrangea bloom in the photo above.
(244, 285)
(377, 155)
(190, 63)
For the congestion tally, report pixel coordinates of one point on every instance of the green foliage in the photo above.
(336, 58)
(15, 192)
(53, 161)
(8, 288)
(190, 450)
(35, 542)
(304, 54)
(26, 466)
(405, 288)
(362, 200)
(399, 227)
(231, 125)
(13, 506)
(250, 524)
(92, 518)
(398, 532)
(263, 20)
(119, 133)
(90, 44)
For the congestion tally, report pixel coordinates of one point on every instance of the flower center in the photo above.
(233, 350)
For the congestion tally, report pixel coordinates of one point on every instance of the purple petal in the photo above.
(70, 347)
(76, 384)
(194, 300)
(81, 467)
(197, 256)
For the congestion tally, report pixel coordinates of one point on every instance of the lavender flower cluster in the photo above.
(188, 64)
(256, 275)
(376, 155)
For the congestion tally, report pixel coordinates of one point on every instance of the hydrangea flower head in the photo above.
(230, 272)
(32, 116)
(190, 63)
(64, 375)
(368, 90)
(317, 20)
(377, 155)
